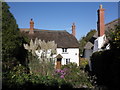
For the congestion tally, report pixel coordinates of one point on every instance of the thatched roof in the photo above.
(61, 37)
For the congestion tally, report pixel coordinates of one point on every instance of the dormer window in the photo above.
(64, 49)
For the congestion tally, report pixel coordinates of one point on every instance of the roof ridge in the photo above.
(35, 29)
(112, 21)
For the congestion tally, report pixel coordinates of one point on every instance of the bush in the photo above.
(83, 63)
(39, 66)
(105, 66)
(70, 76)
(19, 78)
(15, 78)
(76, 77)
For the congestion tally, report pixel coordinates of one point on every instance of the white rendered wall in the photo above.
(72, 54)
(98, 43)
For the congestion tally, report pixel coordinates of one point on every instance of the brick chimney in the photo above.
(31, 26)
(100, 23)
(73, 29)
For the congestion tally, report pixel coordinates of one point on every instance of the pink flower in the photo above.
(62, 71)
(61, 76)
(58, 70)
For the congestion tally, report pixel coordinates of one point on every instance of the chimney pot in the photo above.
(101, 6)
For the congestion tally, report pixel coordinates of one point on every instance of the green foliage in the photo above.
(89, 35)
(82, 44)
(9, 32)
(115, 38)
(83, 63)
(105, 66)
(40, 67)
(78, 78)
(19, 78)
(15, 77)
(85, 39)
(12, 40)
(13, 52)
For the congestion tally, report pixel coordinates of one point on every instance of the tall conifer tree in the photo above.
(12, 41)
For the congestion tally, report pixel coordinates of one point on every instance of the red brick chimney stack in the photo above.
(31, 26)
(73, 29)
(100, 23)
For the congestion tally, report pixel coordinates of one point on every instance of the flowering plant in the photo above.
(60, 73)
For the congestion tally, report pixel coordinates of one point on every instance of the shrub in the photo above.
(18, 78)
(83, 63)
(76, 77)
(105, 66)
(15, 78)
(40, 59)
(40, 67)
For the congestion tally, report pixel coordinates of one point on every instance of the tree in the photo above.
(114, 37)
(12, 40)
(85, 39)
(82, 43)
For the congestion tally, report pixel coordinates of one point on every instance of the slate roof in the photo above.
(61, 37)
(89, 45)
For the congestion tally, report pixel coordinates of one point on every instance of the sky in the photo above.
(61, 15)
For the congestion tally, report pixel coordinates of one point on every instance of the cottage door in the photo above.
(58, 66)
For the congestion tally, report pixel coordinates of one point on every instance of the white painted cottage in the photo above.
(67, 44)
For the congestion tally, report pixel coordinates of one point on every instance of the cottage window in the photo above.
(67, 61)
(64, 49)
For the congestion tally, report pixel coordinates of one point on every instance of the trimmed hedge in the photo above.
(105, 66)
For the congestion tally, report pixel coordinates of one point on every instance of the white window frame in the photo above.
(67, 60)
(64, 50)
